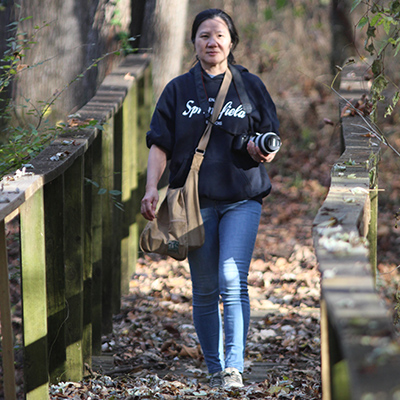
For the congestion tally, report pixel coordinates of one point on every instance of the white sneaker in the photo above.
(232, 378)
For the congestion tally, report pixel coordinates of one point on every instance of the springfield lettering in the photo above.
(227, 111)
(191, 109)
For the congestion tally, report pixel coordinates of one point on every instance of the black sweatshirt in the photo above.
(179, 121)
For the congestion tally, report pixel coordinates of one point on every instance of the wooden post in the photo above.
(117, 212)
(6, 322)
(55, 277)
(373, 230)
(325, 356)
(107, 183)
(334, 372)
(34, 299)
(74, 243)
(145, 108)
(129, 240)
(87, 260)
(341, 381)
(97, 244)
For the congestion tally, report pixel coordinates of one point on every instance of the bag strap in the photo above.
(201, 148)
(201, 93)
(244, 98)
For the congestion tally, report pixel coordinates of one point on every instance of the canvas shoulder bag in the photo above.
(178, 226)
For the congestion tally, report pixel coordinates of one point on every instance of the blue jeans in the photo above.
(219, 269)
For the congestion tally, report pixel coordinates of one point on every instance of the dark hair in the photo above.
(212, 13)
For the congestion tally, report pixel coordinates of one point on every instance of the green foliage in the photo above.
(268, 13)
(274, 7)
(113, 194)
(17, 45)
(390, 107)
(281, 3)
(126, 43)
(382, 23)
(23, 142)
(124, 38)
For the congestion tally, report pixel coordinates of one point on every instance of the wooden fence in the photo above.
(360, 354)
(78, 248)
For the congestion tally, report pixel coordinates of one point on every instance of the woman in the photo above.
(232, 183)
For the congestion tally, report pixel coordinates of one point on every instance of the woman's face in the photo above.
(213, 44)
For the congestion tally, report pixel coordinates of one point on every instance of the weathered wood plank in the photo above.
(107, 183)
(326, 350)
(74, 262)
(6, 322)
(117, 212)
(129, 182)
(34, 299)
(371, 354)
(55, 277)
(87, 260)
(16, 191)
(97, 246)
(373, 231)
(145, 105)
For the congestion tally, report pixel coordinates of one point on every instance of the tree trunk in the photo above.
(6, 17)
(342, 33)
(164, 32)
(138, 9)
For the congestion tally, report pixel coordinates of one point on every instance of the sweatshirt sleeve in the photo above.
(162, 126)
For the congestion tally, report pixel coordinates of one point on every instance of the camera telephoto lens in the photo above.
(268, 142)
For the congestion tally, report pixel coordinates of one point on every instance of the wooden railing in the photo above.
(77, 206)
(360, 355)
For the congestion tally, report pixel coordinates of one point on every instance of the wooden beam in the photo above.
(74, 243)
(373, 231)
(96, 248)
(107, 183)
(87, 260)
(6, 321)
(34, 297)
(129, 240)
(55, 277)
(325, 355)
(115, 197)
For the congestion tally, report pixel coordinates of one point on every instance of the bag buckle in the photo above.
(200, 151)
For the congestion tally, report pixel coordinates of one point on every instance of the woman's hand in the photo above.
(149, 203)
(155, 168)
(257, 155)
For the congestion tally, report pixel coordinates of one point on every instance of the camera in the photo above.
(268, 142)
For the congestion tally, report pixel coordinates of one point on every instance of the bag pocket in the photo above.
(167, 233)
